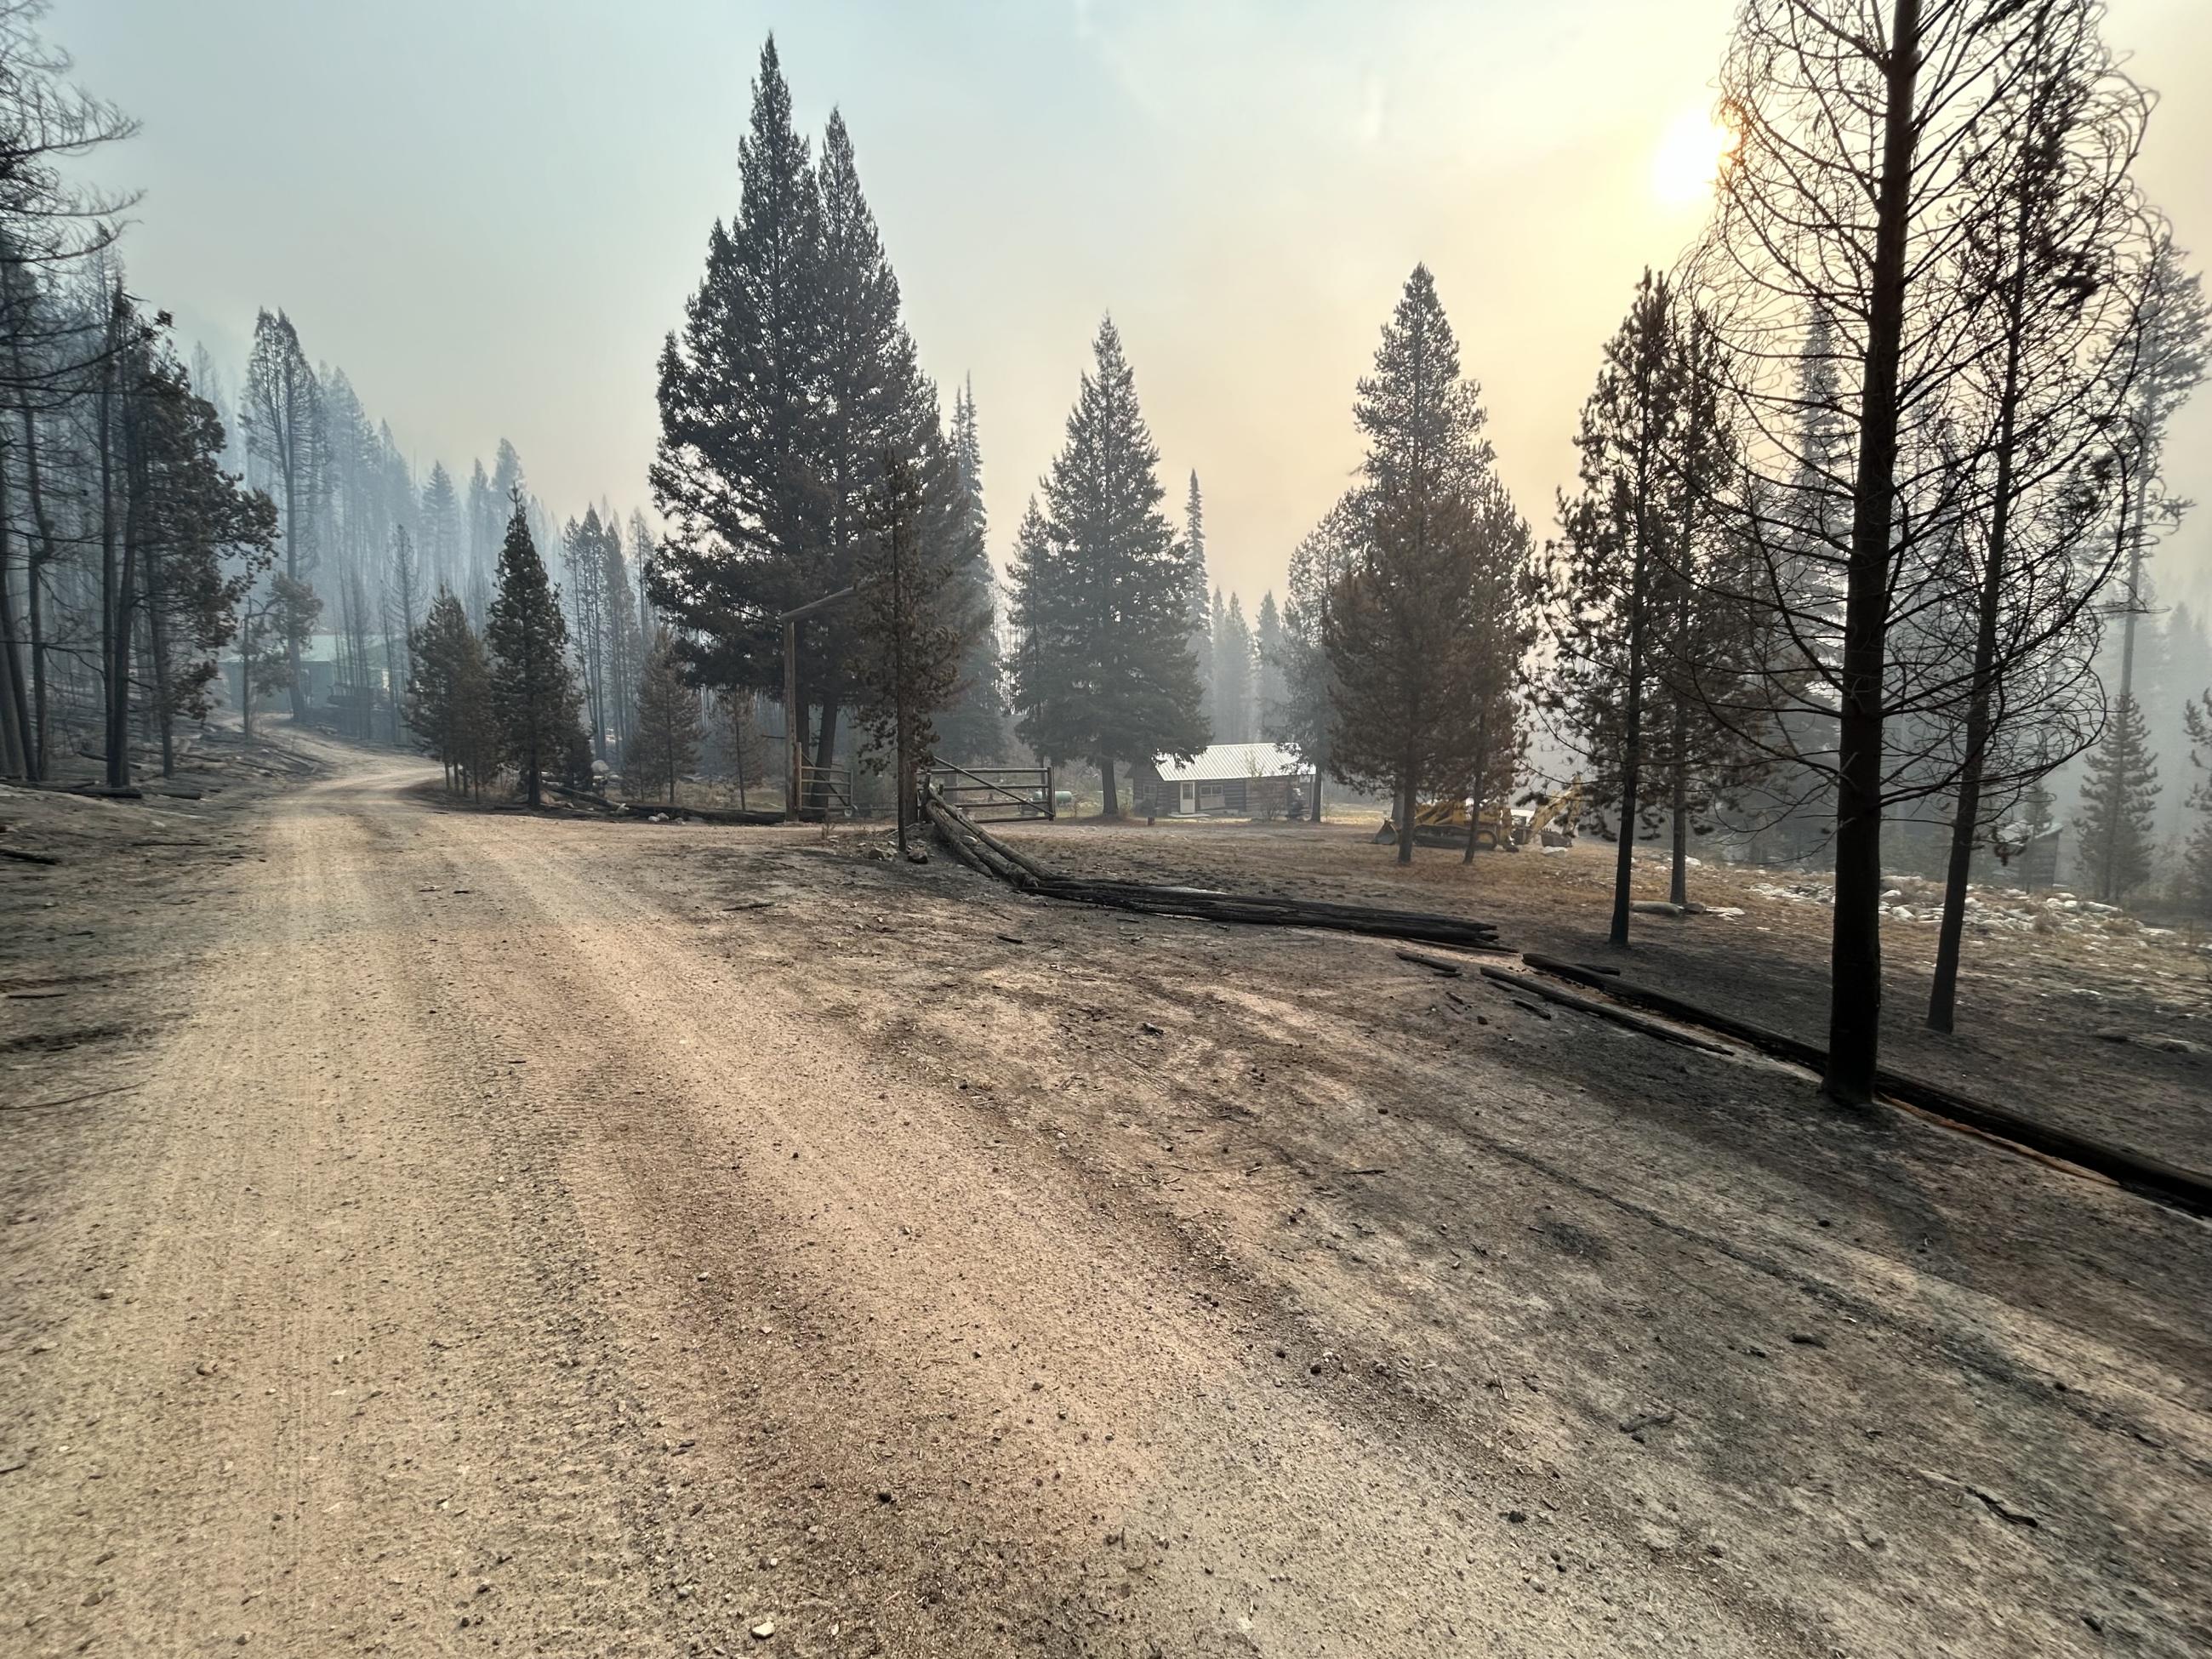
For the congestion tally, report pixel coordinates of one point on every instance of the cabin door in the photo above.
(1189, 798)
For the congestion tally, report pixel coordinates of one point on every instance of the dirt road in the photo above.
(509, 1242)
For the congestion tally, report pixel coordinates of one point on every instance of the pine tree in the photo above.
(2197, 852)
(403, 601)
(1400, 624)
(534, 697)
(738, 474)
(282, 415)
(278, 624)
(1500, 628)
(483, 525)
(2119, 798)
(665, 743)
(1030, 676)
(1232, 675)
(1268, 648)
(202, 538)
(449, 696)
(1642, 643)
(1107, 674)
(1306, 718)
(1220, 689)
(1199, 585)
(584, 553)
(442, 530)
(874, 410)
(972, 730)
(625, 640)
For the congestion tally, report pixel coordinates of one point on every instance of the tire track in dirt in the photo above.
(951, 1277)
(570, 1285)
(258, 1440)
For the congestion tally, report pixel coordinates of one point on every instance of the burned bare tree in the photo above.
(1852, 201)
(2055, 267)
(55, 343)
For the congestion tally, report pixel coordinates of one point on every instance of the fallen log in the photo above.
(1570, 970)
(2139, 1172)
(1434, 964)
(976, 845)
(643, 810)
(1605, 1010)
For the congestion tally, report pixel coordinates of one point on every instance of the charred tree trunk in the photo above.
(1678, 887)
(1409, 784)
(159, 710)
(115, 582)
(1632, 756)
(292, 569)
(1475, 802)
(118, 707)
(1854, 956)
(18, 745)
(1966, 822)
(825, 757)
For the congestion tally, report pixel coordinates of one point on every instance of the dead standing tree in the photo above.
(55, 346)
(2058, 263)
(1847, 199)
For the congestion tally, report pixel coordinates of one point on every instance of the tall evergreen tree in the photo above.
(202, 540)
(1200, 585)
(282, 415)
(1306, 717)
(625, 640)
(584, 553)
(1108, 675)
(1500, 628)
(972, 728)
(2119, 797)
(1029, 677)
(449, 696)
(1232, 673)
(739, 474)
(1267, 651)
(443, 530)
(402, 604)
(874, 410)
(1400, 624)
(2196, 849)
(1638, 641)
(483, 536)
(533, 694)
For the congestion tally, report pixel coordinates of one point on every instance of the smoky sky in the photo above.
(489, 212)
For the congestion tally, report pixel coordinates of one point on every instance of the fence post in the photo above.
(791, 719)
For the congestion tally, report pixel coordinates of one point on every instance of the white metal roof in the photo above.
(1230, 760)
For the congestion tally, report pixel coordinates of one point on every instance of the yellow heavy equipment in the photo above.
(1545, 822)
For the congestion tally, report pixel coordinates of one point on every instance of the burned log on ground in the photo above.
(980, 850)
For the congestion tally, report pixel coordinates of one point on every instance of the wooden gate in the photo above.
(993, 794)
